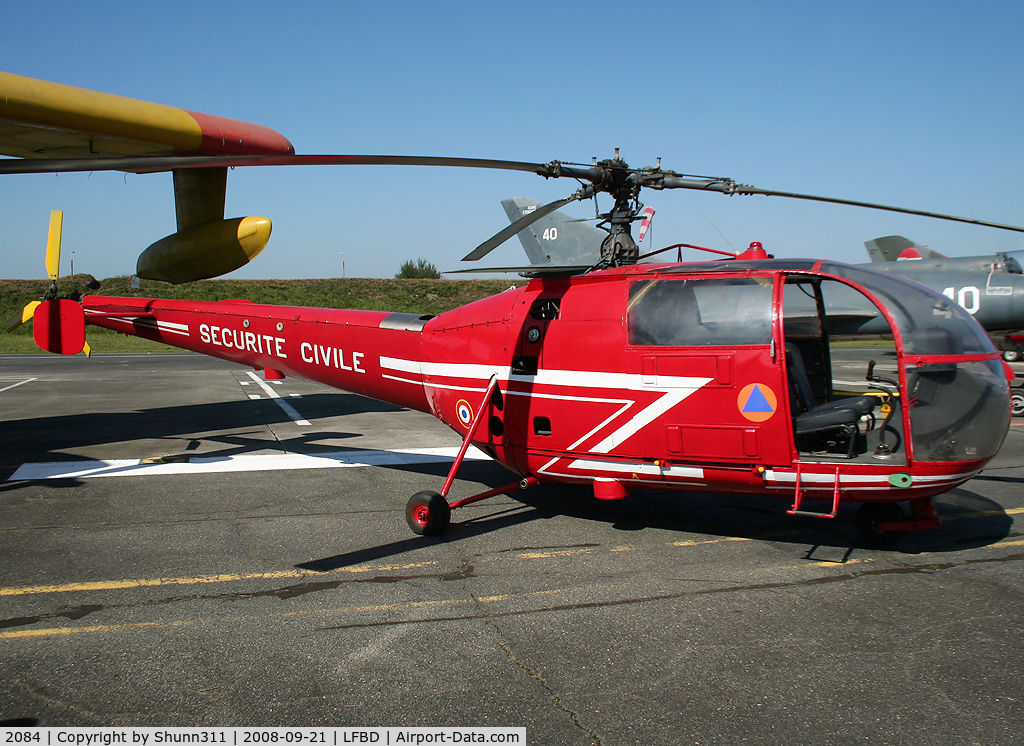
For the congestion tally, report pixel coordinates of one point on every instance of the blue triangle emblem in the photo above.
(757, 402)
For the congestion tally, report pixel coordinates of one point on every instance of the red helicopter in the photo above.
(707, 376)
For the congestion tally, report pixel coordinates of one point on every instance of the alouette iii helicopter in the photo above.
(710, 377)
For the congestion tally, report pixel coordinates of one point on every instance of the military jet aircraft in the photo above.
(990, 287)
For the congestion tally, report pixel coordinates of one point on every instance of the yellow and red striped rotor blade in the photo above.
(26, 313)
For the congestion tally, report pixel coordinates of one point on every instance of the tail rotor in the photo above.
(58, 323)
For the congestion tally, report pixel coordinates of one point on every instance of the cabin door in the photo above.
(707, 343)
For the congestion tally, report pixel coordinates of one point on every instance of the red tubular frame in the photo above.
(523, 484)
(491, 386)
(799, 497)
(922, 518)
(520, 485)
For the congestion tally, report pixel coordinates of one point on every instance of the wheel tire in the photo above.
(1011, 356)
(427, 513)
(1017, 405)
(870, 515)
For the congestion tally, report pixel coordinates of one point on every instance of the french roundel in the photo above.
(464, 412)
(757, 402)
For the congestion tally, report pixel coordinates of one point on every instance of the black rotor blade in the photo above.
(168, 163)
(598, 175)
(510, 230)
(743, 189)
(728, 186)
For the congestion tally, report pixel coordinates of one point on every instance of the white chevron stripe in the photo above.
(674, 389)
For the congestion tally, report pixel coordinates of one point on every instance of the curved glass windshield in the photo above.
(930, 323)
(959, 410)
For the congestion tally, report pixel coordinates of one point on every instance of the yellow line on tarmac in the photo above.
(698, 542)
(833, 563)
(65, 631)
(983, 514)
(451, 601)
(531, 594)
(1015, 543)
(555, 553)
(127, 583)
(110, 628)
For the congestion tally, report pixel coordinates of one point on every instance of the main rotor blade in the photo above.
(743, 189)
(510, 230)
(601, 177)
(662, 180)
(53, 244)
(168, 163)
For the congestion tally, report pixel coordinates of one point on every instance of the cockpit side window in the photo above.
(701, 312)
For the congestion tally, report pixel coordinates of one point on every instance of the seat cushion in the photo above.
(835, 414)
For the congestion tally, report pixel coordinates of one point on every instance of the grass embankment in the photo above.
(407, 296)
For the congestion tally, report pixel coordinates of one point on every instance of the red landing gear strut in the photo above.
(883, 524)
(428, 513)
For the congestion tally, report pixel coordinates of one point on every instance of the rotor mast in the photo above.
(612, 176)
(619, 247)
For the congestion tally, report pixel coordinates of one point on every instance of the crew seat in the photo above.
(837, 416)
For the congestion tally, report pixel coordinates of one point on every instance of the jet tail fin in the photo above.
(896, 248)
(556, 239)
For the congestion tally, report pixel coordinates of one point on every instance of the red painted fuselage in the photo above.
(584, 400)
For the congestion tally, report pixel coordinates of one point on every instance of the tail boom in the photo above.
(339, 348)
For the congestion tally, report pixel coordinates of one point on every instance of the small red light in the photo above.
(754, 252)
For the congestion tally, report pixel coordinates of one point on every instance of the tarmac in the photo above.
(180, 549)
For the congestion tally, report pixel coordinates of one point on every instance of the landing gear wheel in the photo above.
(870, 515)
(1011, 356)
(427, 513)
(1017, 405)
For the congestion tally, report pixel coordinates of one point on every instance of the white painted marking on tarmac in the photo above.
(288, 408)
(253, 462)
(19, 383)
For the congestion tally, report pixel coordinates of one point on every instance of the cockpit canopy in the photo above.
(952, 390)
(928, 322)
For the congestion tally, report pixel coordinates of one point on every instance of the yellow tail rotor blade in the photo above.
(53, 243)
(87, 350)
(26, 313)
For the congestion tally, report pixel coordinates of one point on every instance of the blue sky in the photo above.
(917, 104)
